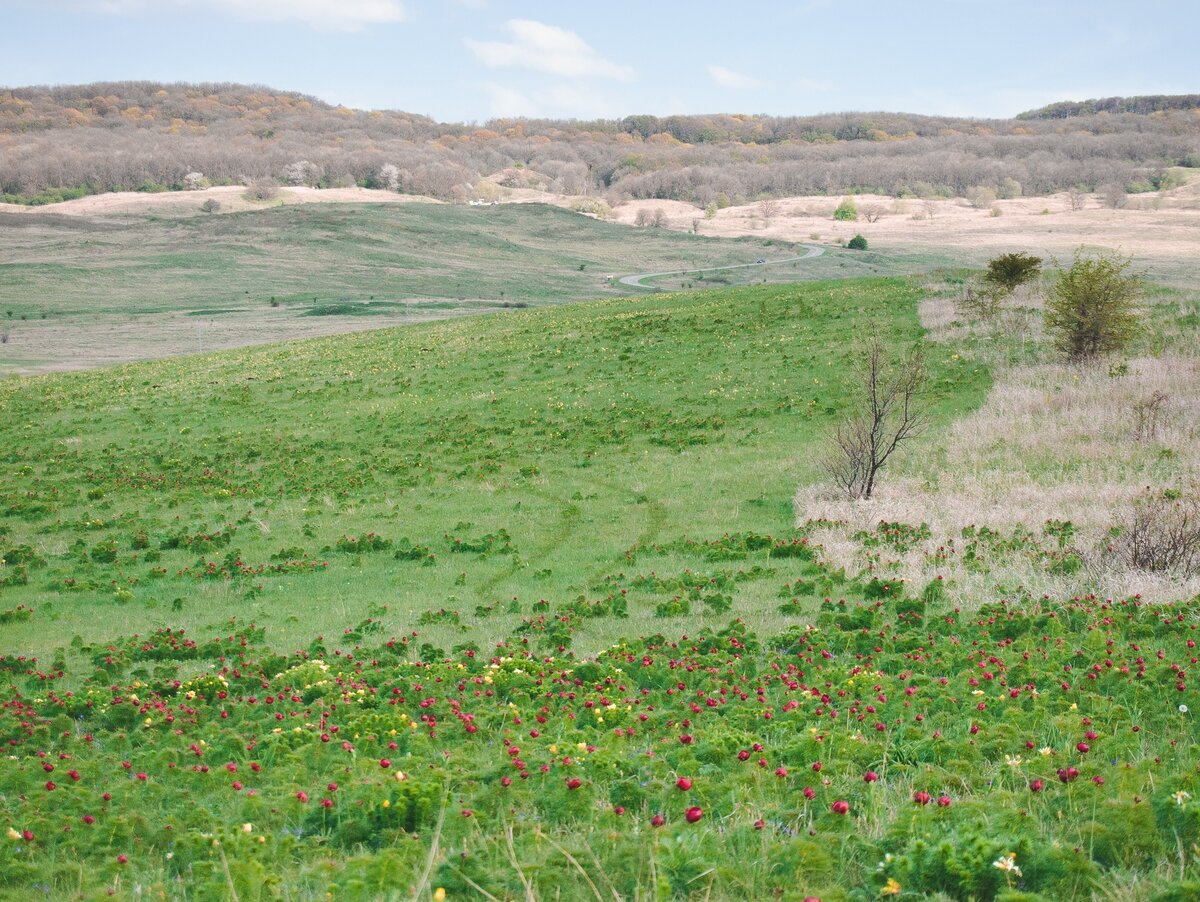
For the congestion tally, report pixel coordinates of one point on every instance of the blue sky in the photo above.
(471, 60)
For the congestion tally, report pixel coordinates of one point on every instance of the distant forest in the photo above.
(66, 141)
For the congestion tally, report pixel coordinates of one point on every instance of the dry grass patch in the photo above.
(1052, 443)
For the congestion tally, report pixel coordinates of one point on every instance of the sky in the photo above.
(474, 60)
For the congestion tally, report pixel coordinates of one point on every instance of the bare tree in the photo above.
(768, 208)
(886, 413)
(1148, 414)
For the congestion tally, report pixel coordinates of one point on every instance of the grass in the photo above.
(516, 607)
(626, 422)
(305, 254)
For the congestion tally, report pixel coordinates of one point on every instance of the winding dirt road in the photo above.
(636, 281)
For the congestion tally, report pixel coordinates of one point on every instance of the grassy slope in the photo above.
(582, 431)
(301, 254)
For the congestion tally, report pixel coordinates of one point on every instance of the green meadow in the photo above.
(547, 442)
(517, 607)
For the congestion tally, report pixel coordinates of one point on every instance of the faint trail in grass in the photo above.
(569, 514)
(636, 280)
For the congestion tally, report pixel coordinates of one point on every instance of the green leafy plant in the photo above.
(847, 211)
(1092, 307)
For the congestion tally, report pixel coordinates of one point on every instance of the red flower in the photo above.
(694, 814)
(122, 859)
(781, 772)
(50, 786)
(574, 783)
(1083, 748)
(943, 801)
(657, 821)
(326, 803)
(810, 793)
(840, 807)
(870, 776)
(384, 762)
(921, 797)
(88, 819)
(684, 783)
(302, 796)
(1036, 785)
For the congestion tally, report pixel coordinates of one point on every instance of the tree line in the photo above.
(64, 141)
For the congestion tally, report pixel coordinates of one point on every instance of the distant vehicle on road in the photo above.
(760, 260)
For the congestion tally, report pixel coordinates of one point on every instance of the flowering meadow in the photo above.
(517, 608)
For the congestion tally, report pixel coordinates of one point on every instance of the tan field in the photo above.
(1151, 226)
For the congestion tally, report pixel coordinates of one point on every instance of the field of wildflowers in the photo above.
(516, 609)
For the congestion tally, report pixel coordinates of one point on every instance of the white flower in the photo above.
(1181, 797)
(1012, 760)
(1183, 709)
(1008, 864)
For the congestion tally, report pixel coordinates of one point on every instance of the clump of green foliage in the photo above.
(847, 211)
(857, 243)
(1092, 309)
(1010, 271)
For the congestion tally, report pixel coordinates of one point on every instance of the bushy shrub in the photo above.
(1010, 271)
(1091, 310)
(847, 211)
(857, 243)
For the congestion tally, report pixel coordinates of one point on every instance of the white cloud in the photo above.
(547, 48)
(324, 15)
(727, 78)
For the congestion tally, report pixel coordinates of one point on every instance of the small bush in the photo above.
(212, 205)
(1091, 309)
(847, 211)
(1161, 533)
(261, 192)
(1010, 271)
(857, 243)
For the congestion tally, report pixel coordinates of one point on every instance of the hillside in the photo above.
(71, 140)
(521, 607)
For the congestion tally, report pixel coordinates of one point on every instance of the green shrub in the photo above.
(1091, 310)
(1009, 271)
(847, 211)
(857, 243)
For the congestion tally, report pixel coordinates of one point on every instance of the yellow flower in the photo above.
(439, 895)
(13, 834)
(891, 888)
(387, 803)
(247, 828)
